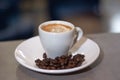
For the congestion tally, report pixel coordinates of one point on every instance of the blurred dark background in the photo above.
(19, 19)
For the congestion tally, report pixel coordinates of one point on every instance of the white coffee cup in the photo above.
(58, 43)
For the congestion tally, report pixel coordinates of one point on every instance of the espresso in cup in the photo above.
(57, 37)
(56, 28)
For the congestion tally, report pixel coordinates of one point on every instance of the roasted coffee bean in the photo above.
(37, 61)
(54, 61)
(44, 55)
(63, 56)
(60, 62)
(77, 58)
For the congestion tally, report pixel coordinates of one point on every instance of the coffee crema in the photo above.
(56, 28)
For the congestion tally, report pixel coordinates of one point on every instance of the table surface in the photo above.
(106, 67)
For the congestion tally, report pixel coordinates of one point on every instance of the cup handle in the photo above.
(79, 33)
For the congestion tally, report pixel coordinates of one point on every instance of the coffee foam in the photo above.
(57, 28)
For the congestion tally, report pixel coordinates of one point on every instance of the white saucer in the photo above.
(30, 50)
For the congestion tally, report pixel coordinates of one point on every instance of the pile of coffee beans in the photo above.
(60, 62)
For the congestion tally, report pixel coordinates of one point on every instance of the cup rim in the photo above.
(56, 22)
